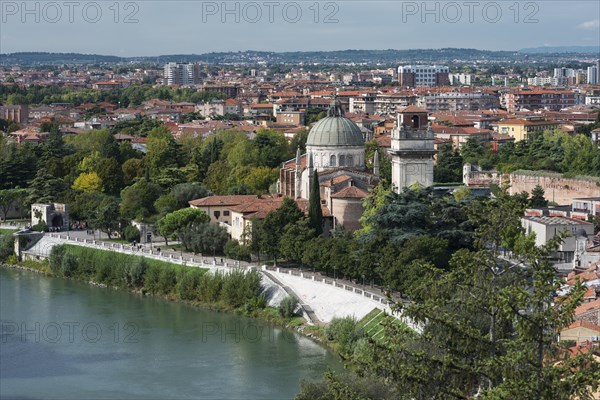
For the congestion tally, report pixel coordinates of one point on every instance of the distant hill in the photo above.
(562, 49)
(383, 57)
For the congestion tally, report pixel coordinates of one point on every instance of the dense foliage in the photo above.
(483, 327)
(234, 289)
(549, 151)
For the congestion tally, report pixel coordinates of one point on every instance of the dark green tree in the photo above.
(537, 197)
(315, 212)
(107, 216)
(295, 239)
(274, 225)
(448, 167)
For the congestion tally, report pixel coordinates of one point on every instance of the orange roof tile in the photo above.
(350, 192)
(585, 307)
(221, 200)
(583, 324)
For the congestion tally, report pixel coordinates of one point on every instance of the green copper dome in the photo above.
(335, 130)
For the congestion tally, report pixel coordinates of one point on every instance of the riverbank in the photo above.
(268, 315)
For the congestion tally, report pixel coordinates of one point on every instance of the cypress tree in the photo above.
(315, 214)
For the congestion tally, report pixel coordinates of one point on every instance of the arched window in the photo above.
(342, 160)
(415, 121)
(332, 160)
(350, 161)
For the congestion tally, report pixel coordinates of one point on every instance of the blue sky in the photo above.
(148, 27)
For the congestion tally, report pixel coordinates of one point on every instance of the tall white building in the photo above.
(423, 75)
(460, 79)
(592, 75)
(182, 73)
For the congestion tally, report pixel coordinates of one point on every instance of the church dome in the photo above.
(335, 130)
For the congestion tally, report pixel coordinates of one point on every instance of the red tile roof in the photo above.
(222, 200)
(350, 192)
(583, 324)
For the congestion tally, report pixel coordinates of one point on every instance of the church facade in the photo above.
(335, 151)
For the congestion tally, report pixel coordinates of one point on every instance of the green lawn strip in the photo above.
(374, 323)
(5, 231)
(80, 250)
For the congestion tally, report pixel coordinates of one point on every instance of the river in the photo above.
(67, 340)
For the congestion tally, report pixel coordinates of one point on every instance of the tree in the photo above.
(107, 216)
(88, 182)
(299, 141)
(487, 327)
(166, 204)
(315, 212)
(274, 225)
(162, 150)
(172, 225)
(45, 188)
(138, 199)
(449, 165)
(204, 238)
(186, 192)
(83, 206)
(10, 198)
(295, 238)
(272, 148)
(537, 197)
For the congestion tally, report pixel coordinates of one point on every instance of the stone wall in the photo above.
(557, 189)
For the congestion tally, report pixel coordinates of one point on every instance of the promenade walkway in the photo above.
(321, 298)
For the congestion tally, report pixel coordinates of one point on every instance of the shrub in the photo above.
(55, 260)
(233, 249)
(287, 307)
(69, 265)
(345, 332)
(167, 279)
(187, 284)
(210, 286)
(131, 233)
(7, 247)
(40, 227)
(136, 272)
(151, 279)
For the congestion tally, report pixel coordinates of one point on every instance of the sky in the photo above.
(151, 27)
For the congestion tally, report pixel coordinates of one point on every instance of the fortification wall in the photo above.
(557, 189)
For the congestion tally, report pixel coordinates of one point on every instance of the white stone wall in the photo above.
(322, 156)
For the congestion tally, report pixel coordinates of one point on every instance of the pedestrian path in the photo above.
(321, 299)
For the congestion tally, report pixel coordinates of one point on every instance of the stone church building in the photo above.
(335, 151)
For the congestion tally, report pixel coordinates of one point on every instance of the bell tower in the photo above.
(412, 149)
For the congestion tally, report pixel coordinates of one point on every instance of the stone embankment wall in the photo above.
(557, 189)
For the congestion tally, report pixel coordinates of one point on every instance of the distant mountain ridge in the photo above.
(561, 49)
(322, 57)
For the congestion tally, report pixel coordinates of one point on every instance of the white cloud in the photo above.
(593, 24)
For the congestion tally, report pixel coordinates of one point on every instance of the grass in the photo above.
(4, 231)
(373, 324)
(80, 250)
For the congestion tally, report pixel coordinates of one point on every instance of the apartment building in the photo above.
(423, 75)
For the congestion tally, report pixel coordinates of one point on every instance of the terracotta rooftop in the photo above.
(412, 109)
(222, 200)
(585, 307)
(521, 121)
(350, 192)
(583, 324)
